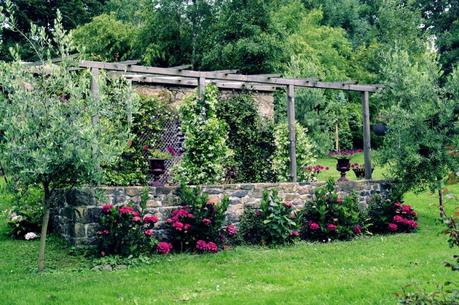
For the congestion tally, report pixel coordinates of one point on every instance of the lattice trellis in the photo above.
(170, 139)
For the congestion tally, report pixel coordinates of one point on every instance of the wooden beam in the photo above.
(307, 83)
(291, 131)
(193, 82)
(182, 67)
(366, 134)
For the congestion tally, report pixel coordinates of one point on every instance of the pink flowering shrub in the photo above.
(388, 216)
(198, 225)
(330, 216)
(126, 230)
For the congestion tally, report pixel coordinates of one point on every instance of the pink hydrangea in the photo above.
(186, 226)
(212, 247)
(406, 209)
(148, 232)
(331, 227)
(397, 204)
(339, 199)
(207, 221)
(295, 233)
(357, 230)
(136, 219)
(201, 245)
(392, 227)
(106, 208)
(150, 219)
(231, 230)
(411, 224)
(126, 210)
(163, 247)
(398, 219)
(178, 226)
(313, 226)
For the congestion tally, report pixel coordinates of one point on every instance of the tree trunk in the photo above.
(441, 205)
(44, 229)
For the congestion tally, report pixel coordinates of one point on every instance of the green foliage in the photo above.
(421, 125)
(105, 38)
(281, 158)
(249, 136)
(26, 213)
(131, 167)
(330, 216)
(272, 224)
(206, 149)
(279, 225)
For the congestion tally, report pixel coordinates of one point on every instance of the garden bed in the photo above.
(75, 217)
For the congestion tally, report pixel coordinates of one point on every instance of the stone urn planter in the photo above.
(157, 168)
(343, 165)
(380, 129)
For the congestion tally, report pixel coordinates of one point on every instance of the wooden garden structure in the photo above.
(229, 79)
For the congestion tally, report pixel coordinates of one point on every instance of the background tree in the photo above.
(47, 116)
(422, 124)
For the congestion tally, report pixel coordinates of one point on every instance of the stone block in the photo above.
(77, 197)
(153, 203)
(240, 194)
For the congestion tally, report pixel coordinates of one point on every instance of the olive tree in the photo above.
(422, 124)
(57, 134)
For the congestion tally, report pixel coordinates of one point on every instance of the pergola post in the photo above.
(201, 86)
(366, 133)
(291, 130)
(96, 96)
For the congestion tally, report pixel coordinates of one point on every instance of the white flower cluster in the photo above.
(30, 236)
(16, 218)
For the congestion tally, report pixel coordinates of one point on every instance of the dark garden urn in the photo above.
(343, 166)
(380, 129)
(359, 172)
(157, 168)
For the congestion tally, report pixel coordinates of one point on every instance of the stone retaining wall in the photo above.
(76, 212)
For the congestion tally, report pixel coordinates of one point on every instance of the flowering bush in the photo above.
(273, 223)
(198, 225)
(344, 153)
(127, 230)
(391, 217)
(314, 170)
(330, 216)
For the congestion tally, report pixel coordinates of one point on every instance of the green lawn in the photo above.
(366, 271)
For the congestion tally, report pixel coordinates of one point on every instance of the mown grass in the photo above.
(366, 271)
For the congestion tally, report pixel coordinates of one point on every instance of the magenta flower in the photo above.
(212, 247)
(313, 226)
(136, 219)
(295, 233)
(106, 208)
(331, 227)
(178, 226)
(150, 219)
(163, 247)
(201, 245)
(148, 232)
(207, 221)
(126, 210)
(393, 227)
(231, 230)
(357, 230)
(398, 219)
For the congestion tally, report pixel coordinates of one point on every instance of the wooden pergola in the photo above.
(229, 79)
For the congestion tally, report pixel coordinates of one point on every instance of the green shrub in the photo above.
(26, 214)
(250, 137)
(273, 223)
(206, 142)
(281, 158)
(131, 167)
(330, 216)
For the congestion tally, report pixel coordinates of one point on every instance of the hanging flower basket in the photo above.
(380, 129)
